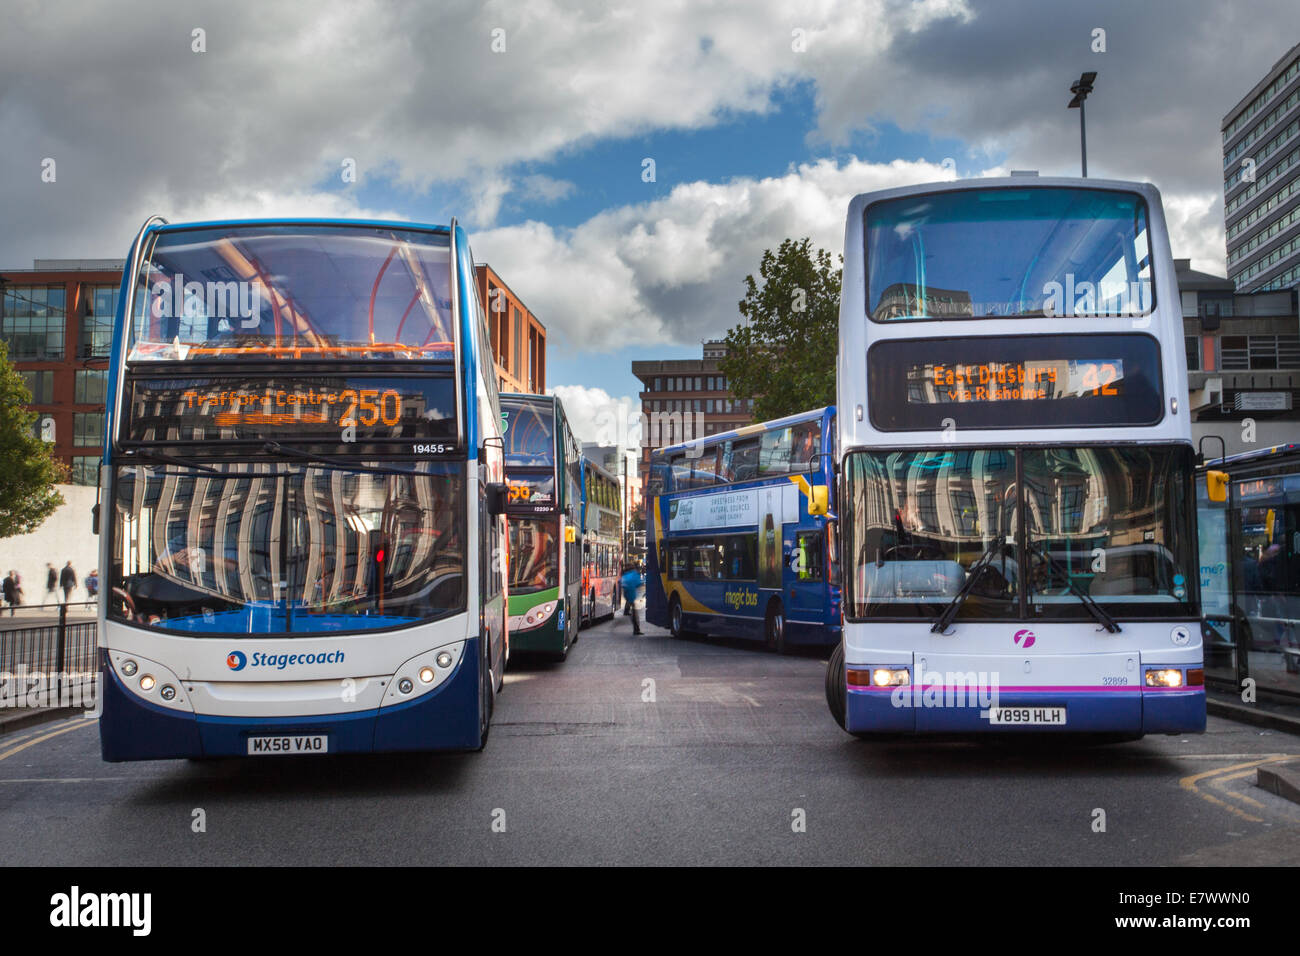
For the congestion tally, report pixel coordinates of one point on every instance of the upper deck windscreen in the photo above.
(1008, 252)
(529, 432)
(294, 291)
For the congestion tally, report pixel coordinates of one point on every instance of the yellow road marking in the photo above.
(1190, 783)
(80, 722)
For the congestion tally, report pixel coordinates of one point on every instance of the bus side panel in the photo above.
(445, 719)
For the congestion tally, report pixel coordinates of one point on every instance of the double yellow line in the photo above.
(1220, 778)
(21, 742)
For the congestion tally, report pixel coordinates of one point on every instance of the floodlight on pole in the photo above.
(1081, 88)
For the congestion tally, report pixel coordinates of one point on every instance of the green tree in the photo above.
(783, 355)
(28, 473)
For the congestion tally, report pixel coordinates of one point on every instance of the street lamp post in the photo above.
(1081, 88)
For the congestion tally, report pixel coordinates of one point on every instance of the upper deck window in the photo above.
(266, 291)
(1008, 253)
(529, 432)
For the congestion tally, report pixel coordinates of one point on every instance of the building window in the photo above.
(1259, 352)
(658, 383)
(87, 429)
(699, 384)
(688, 384)
(41, 385)
(1193, 353)
(85, 470)
(91, 386)
(96, 336)
(708, 406)
(680, 386)
(33, 322)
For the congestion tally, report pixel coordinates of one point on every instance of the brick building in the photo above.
(686, 398)
(518, 338)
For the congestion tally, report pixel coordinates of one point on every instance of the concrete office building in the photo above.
(1261, 181)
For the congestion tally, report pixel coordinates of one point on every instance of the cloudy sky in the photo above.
(533, 123)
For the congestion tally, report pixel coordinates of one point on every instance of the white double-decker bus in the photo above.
(302, 495)
(1015, 468)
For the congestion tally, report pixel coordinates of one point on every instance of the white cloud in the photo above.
(672, 269)
(596, 416)
(1195, 223)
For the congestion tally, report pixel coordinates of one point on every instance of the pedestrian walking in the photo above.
(92, 583)
(51, 584)
(67, 581)
(11, 591)
(631, 584)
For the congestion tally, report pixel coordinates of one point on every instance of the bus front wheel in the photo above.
(836, 692)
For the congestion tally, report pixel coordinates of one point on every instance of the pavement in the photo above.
(654, 751)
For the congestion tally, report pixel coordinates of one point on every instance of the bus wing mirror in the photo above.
(818, 500)
(496, 498)
(1216, 485)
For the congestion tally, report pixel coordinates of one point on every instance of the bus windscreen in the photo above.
(1008, 253)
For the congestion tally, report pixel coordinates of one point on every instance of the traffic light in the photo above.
(380, 557)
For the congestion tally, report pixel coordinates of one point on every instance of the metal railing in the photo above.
(45, 664)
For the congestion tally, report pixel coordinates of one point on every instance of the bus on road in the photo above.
(302, 495)
(1017, 511)
(732, 547)
(544, 478)
(602, 542)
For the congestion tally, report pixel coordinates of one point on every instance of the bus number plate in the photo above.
(1028, 716)
(310, 744)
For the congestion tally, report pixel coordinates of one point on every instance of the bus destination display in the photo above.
(1022, 381)
(1014, 381)
(336, 408)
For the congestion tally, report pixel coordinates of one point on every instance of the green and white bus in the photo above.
(544, 477)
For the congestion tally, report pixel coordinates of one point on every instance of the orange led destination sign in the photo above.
(327, 407)
(345, 408)
(937, 383)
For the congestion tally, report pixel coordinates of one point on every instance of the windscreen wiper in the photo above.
(1095, 609)
(982, 564)
(149, 454)
(337, 464)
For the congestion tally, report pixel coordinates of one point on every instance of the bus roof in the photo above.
(1259, 456)
(299, 221)
(755, 429)
(1005, 182)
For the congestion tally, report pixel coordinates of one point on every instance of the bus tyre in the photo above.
(836, 692)
(774, 628)
(487, 700)
(675, 619)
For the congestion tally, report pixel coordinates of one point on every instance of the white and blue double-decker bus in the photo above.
(302, 495)
(731, 546)
(1017, 514)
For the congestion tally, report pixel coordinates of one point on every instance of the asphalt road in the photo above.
(715, 769)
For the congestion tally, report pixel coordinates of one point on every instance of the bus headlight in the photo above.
(129, 668)
(168, 692)
(1165, 677)
(426, 673)
(405, 685)
(889, 676)
(444, 659)
(147, 682)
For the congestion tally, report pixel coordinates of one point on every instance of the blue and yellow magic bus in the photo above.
(302, 525)
(1017, 513)
(731, 548)
(544, 476)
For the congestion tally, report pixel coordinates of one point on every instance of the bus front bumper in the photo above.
(1129, 711)
(446, 718)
